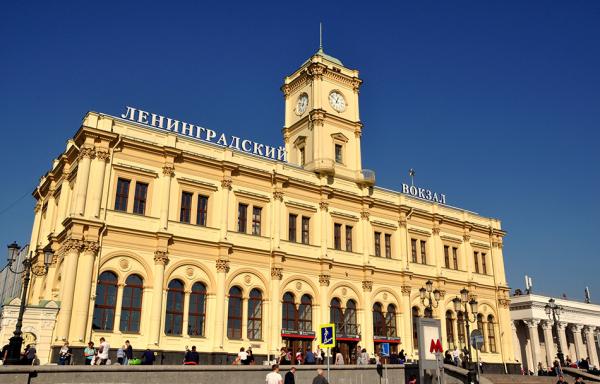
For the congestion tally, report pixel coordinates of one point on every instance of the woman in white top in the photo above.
(339, 359)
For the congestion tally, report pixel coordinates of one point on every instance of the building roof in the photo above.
(322, 54)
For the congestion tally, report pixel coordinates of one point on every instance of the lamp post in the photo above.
(553, 312)
(460, 303)
(426, 296)
(16, 342)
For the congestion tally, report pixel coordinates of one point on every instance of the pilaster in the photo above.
(70, 248)
(161, 258)
(85, 267)
(86, 155)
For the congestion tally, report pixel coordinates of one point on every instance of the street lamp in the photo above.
(553, 312)
(460, 303)
(426, 295)
(16, 342)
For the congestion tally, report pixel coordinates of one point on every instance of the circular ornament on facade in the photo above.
(298, 286)
(385, 296)
(124, 264)
(189, 272)
(344, 291)
(248, 279)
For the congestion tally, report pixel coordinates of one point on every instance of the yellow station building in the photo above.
(169, 235)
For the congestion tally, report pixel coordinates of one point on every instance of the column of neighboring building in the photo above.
(580, 352)
(275, 307)
(591, 344)
(561, 327)
(71, 249)
(407, 318)
(168, 171)
(534, 342)
(222, 266)
(85, 269)
(516, 342)
(367, 326)
(161, 258)
(99, 168)
(548, 342)
(86, 155)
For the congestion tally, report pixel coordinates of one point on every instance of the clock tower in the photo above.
(322, 123)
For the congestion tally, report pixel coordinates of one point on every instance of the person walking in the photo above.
(309, 357)
(320, 378)
(88, 353)
(290, 376)
(64, 355)
(274, 377)
(128, 352)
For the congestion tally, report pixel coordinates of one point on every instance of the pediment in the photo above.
(340, 136)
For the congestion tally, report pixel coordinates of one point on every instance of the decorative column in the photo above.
(407, 340)
(404, 249)
(324, 302)
(505, 329)
(367, 323)
(65, 197)
(367, 235)
(161, 258)
(222, 266)
(534, 342)
(186, 312)
(83, 176)
(102, 156)
(84, 277)
(50, 223)
(35, 231)
(548, 342)
(467, 251)
(591, 344)
(277, 207)
(324, 207)
(561, 327)
(437, 251)
(225, 193)
(275, 307)
(579, 349)
(168, 171)
(399, 244)
(71, 250)
(119, 307)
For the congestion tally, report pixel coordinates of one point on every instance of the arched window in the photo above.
(106, 300)
(234, 314)
(305, 313)
(335, 314)
(350, 318)
(415, 316)
(197, 310)
(174, 313)
(255, 315)
(288, 312)
(480, 327)
(378, 320)
(460, 325)
(491, 334)
(131, 306)
(390, 320)
(450, 330)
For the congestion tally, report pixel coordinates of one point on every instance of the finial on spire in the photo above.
(320, 37)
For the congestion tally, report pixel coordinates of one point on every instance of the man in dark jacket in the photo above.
(320, 378)
(290, 377)
(148, 357)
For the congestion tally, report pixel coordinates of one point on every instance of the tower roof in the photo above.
(322, 54)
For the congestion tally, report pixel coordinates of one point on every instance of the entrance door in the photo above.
(293, 345)
(348, 350)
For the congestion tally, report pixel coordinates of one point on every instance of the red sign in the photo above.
(436, 346)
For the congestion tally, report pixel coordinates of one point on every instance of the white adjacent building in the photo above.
(536, 337)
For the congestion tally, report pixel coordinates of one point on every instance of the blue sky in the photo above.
(497, 104)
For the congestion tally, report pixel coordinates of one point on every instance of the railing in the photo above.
(367, 176)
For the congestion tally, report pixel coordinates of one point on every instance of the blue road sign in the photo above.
(327, 333)
(384, 348)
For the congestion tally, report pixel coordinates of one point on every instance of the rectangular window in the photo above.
(476, 259)
(139, 199)
(337, 236)
(348, 238)
(378, 244)
(122, 195)
(413, 243)
(423, 254)
(338, 154)
(292, 227)
(483, 264)
(202, 210)
(305, 229)
(256, 213)
(302, 156)
(186, 207)
(446, 256)
(455, 257)
(242, 217)
(388, 246)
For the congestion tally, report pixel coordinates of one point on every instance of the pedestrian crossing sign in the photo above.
(327, 335)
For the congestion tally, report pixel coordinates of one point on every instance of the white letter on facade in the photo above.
(235, 143)
(244, 142)
(129, 114)
(187, 129)
(281, 154)
(269, 152)
(157, 121)
(143, 117)
(210, 134)
(405, 188)
(258, 149)
(222, 140)
(172, 125)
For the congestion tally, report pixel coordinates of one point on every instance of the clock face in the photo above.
(301, 104)
(337, 101)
